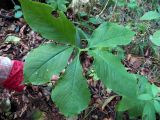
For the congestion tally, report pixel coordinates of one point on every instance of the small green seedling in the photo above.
(18, 12)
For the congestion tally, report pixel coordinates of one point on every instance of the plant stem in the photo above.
(83, 50)
(113, 10)
(13, 2)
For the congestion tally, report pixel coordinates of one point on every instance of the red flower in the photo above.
(15, 78)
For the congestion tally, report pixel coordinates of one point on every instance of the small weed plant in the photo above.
(71, 93)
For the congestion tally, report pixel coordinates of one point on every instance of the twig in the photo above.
(13, 2)
(103, 9)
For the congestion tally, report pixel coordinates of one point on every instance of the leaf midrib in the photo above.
(105, 40)
(72, 85)
(48, 60)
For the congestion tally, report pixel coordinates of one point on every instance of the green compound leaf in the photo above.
(45, 61)
(151, 15)
(137, 110)
(113, 74)
(154, 90)
(157, 106)
(110, 35)
(134, 106)
(156, 38)
(149, 112)
(145, 97)
(126, 104)
(71, 94)
(40, 19)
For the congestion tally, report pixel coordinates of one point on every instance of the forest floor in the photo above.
(34, 103)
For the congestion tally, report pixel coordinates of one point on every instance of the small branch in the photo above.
(103, 8)
(13, 2)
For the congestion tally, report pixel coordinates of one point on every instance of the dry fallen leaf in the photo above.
(136, 62)
(107, 101)
(12, 39)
